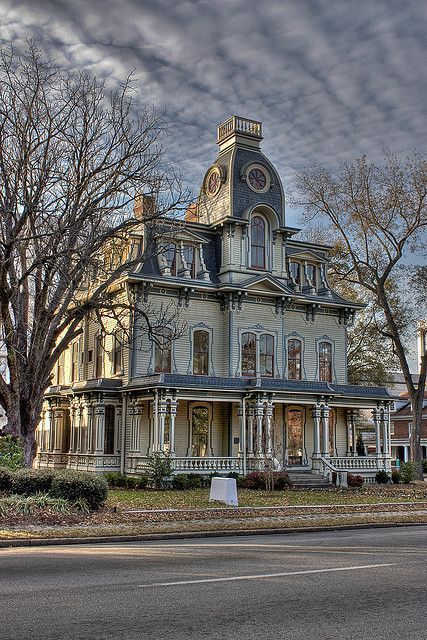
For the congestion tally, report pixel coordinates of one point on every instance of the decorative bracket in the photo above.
(310, 311)
(184, 296)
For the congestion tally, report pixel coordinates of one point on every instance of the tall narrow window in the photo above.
(170, 256)
(266, 355)
(200, 353)
(257, 243)
(294, 268)
(99, 355)
(311, 275)
(110, 414)
(189, 255)
(199, 431)
(325, 362)
(75, 361)
(248, 354)
(60, 369)
(118, 352)
(163, 351)
(294, 359)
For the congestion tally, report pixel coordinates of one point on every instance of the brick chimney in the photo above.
(192, 215)
(144, 206)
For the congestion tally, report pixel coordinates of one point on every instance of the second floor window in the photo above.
(201, 353)
(163, 351)
(311, 275)
(75, 361)
(257, 355)
(325, 362)
(99, 355)
(118, 352)
(294, 359)
(60, 369)
(257, 242)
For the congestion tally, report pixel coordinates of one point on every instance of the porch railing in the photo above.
(82, 461)
(208, 465)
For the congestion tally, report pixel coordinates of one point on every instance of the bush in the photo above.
(180, 481)
(194, 481)
(262, 480)
(281, 480)
(254, 481)
(395, 477)
(11, 452)
(354, 480)
(5, 479)
(78, 486)
(408, 472)
(382, 477)
(115, 479)
(28, 505)
(31, 481)
(159, 469)
(135, 482)
(424, 466)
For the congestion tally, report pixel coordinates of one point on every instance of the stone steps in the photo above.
(307, 480)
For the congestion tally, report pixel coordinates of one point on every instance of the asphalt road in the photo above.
(349, 584)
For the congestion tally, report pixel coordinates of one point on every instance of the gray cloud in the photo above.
(330, 79)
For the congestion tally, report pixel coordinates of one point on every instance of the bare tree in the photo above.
(72, 158)
(379, 213)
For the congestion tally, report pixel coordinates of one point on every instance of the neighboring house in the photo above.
(401, 425)
(258, 376)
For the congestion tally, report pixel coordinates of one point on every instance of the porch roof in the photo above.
(247, 385)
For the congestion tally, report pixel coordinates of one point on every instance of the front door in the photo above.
(295, 436)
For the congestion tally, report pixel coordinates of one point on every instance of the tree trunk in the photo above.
(415, 433)
(23, 416)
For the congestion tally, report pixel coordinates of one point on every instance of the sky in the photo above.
(330, 80)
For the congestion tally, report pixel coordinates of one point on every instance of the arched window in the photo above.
(118, 352)
(248, 354)
(294, 359)
(199, 431)
(163, 351)
(266, 355)
(201, 353)
(325, 362)
(257, 242)
(99, 355)
(170, 256)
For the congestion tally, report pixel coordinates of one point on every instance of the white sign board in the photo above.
(224, 490)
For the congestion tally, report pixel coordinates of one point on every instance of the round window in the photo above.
(258, 179)
(213, 182)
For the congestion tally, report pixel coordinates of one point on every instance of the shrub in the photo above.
(28, 505)
(382, 477)
(115, 479)
(11, 452)
(5, 479)
(281, 480)
(424, 466)
(75, 486)
(180, 481)
(234, 474)
(194, 481)
(408, 472)
(262, 480)
(395, 477)
(32, 481)
(254, 480)
(354, 480)
(159, 469)
(135, 482)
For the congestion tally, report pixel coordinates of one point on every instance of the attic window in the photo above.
(170, 256)
(257, 242)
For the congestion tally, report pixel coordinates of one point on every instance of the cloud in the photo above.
(329, 79)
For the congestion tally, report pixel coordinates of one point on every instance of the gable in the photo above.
(307, 255)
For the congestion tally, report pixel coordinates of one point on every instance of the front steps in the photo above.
(307, 479)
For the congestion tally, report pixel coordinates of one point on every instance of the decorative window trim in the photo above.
(304, 412)
(191, 406)
(294, 336)
(267, 243)
(250, 167)
(152, 364)
(118, 336)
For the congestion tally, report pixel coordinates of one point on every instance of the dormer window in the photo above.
(295, 270)
(189, 256)
(257, 242)
(311, 275)
(170, 257)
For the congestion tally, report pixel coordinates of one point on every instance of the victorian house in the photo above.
(257, 374)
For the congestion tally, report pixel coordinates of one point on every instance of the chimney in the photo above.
(144, 206)
(192, 215)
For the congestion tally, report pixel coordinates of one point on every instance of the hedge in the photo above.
(31, 481)
(5, 479)
(79, 486)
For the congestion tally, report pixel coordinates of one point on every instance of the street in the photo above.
(344, 584)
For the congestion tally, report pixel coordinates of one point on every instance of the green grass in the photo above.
(199, 498)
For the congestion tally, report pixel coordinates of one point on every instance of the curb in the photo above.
(150, 537)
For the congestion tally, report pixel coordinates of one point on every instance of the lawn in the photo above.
(199, 498)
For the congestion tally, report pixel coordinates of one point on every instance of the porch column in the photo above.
(48, 429)
(376, 418)
(58, 417)
(351, 440)
(118, 426)
(259, 417)
(100, 428)
(173, 412)
(73, 414)
(78, 423)
(250, 432)
(268, 427)
(162, 419)
(325, 423)
(316, 412)
(90, 433)
(241, 429)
